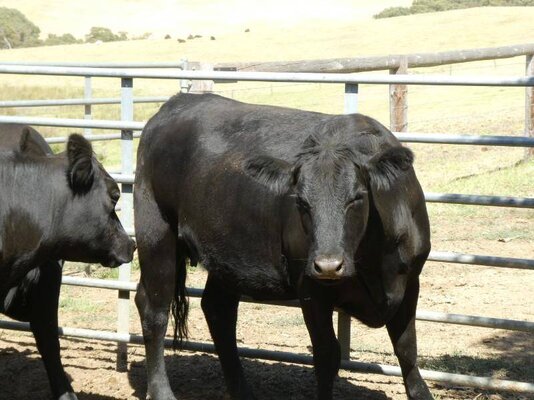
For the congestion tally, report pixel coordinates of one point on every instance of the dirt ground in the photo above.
(445, 287)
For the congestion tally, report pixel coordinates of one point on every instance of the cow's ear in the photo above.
(81, 169)
(277, 175)
(23, 143)
(28, 145)
(400, 202)
(391, 179)
(386, 167)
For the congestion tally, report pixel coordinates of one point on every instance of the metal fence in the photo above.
(129, 130)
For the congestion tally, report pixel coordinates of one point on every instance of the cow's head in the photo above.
(334, 187)
(90, 228)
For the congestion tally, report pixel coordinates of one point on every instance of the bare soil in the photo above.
(487, 291)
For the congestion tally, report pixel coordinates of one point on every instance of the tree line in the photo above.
(16, 30)
(430, 6)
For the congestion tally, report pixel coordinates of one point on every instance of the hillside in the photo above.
(481, 27)
(183, 17)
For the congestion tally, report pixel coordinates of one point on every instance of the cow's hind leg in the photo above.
(44, 325)
(38, 304)
(220, 309)
(156, 244)
(401, 329)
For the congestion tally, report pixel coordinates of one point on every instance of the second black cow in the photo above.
(52, 208)
(277, 203)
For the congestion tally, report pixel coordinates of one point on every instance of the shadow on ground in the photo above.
(512, 359)
(199, 376)
(23, 375)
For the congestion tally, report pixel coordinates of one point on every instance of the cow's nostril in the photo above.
(340, 266)
(317, 268)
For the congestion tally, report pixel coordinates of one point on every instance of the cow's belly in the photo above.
(256, 280)
(245, 258)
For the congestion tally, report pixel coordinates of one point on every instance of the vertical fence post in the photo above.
(123, 311)
(205, 86)
(529, 106)
(87, 95)
(343, 320)
(184, 83)
(398, 100)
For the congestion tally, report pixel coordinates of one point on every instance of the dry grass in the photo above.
(441, 168)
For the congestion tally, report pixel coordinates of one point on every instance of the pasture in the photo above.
(441, 168)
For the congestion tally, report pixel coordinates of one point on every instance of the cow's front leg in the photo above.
(43, 302)
(318, 308)
(220, 309)
(401, 329)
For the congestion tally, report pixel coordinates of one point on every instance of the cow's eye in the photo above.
(115, 195)
(355, 200)
(303, 205)
(400, 238)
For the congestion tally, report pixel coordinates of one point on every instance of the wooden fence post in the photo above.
(529, 106)
(202, 86)
(398, 100)
(184, 83)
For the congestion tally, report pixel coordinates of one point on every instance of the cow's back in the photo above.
(198, 130)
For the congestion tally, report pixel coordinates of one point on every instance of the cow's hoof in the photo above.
(166, 396)
(68, 396)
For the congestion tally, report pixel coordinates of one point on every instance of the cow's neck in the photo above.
(32, 209)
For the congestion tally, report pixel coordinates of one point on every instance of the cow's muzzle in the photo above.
(121, 255)
(328, 267)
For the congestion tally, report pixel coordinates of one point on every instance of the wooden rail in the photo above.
(365, 64)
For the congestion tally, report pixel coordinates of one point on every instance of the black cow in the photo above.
(52, 208)
(277, 203)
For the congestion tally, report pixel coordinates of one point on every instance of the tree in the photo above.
(16, 30)
(66, 38)
(104, 34)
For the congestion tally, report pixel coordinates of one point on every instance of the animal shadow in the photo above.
(22, 375)
(199, 377)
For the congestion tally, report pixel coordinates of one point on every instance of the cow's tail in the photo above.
(180, 305)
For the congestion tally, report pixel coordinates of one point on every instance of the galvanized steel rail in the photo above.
(77, 102)
(130, 130)
(433, 80)
(460, 319)
(356, 366)
(513, 141)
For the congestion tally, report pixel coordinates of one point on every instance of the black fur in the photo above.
(81, 171)
(386, 167)
(271, 172)
(42, 223)
(277, 203)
